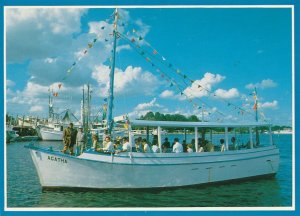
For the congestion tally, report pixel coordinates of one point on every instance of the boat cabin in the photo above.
(204, 131)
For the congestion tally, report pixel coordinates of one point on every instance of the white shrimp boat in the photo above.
(131, 169)
(54, 133)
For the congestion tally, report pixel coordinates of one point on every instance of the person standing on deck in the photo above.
(73, 140)
(177, 147)
(67, 138)
(95, 141)
(79, 141)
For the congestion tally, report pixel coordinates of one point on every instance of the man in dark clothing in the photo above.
(166, 144)
(73, 140)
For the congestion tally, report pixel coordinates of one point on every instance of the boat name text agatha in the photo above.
(53, 158)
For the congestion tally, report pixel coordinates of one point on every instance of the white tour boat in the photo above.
(154, 170)
(131, 169)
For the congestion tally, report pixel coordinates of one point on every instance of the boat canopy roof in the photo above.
(195, 124)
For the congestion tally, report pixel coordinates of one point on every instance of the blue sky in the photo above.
(228, 51)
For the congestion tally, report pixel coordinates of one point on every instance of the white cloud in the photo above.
(51, 39)
(10, 83)
(123, 47)
(130, 81)
(199, 87)
(50, 60)
(148, 106)
(36, 108)
(231, 93)
(267, 83)
(144, 108)
(40, 32)
(167, 94)
(269, 105)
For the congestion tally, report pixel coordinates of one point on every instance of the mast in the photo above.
(83, 110)
(111, 75)
(88, 105)
(255, 95)
(50, 106)
(256, 115)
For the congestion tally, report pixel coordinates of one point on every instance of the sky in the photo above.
(190, 61)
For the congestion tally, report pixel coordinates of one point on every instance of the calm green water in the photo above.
(24, 190)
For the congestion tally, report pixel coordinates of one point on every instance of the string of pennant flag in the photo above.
(154, 54)
(158, 61)
(83, 53)
(172, 82)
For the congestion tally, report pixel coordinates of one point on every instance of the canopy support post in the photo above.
(226, 138)
(271, 138)
(196, 139)
(159, 138)
(251, 137)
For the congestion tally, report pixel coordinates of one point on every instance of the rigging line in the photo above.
(84, 52)
(184, 76)
(172, 80)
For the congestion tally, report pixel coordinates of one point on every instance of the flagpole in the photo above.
(111, 75)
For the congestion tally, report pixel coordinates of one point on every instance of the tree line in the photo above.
(157, 116)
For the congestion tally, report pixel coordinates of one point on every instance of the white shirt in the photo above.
(190, 150)
(147, 148)
(126, 147)
(109, 147)
(80, 136)
(177, 147)
(155, 149)
(201, 149)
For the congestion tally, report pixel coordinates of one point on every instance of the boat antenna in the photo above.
(111, 75)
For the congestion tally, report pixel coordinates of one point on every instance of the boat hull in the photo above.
(48, 134)
(156, 170)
